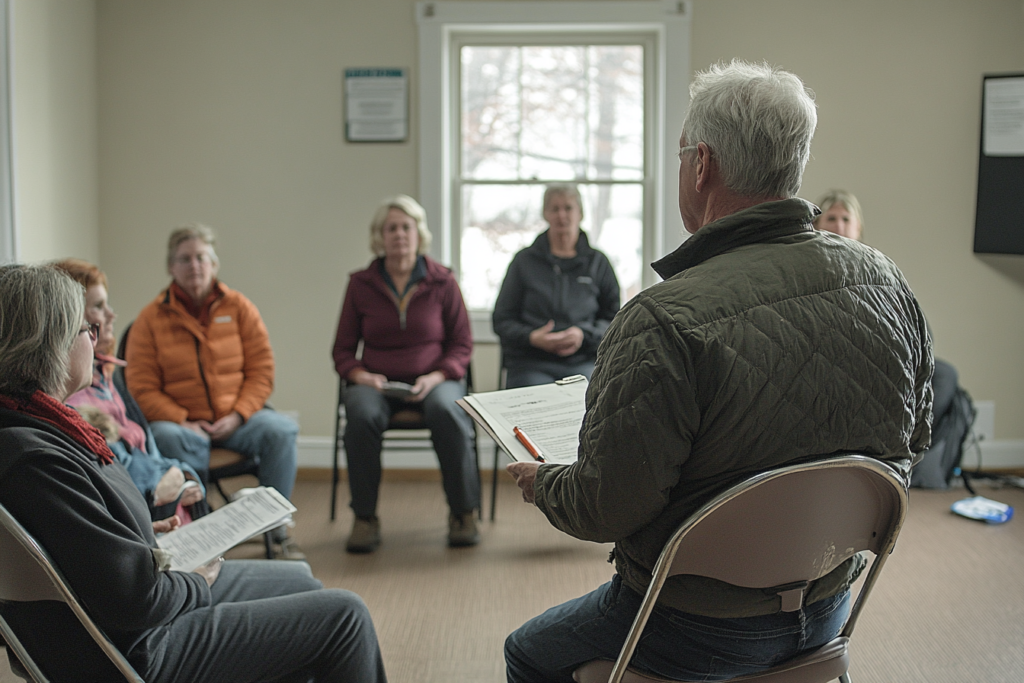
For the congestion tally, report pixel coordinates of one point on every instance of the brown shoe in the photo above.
(365, 536)
(462, 530)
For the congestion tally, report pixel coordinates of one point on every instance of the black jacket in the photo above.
(539, 287)
(97, 529)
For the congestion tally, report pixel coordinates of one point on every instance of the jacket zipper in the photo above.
(202, 375)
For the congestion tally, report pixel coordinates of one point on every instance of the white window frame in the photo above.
(8, 235)
(444, 25)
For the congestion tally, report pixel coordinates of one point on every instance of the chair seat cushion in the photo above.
(222, 457)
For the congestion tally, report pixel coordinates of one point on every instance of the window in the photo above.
(535, 114)
(515, 95)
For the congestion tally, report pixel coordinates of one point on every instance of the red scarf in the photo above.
(48, 409)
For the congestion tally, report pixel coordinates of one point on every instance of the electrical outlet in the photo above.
(985, 420)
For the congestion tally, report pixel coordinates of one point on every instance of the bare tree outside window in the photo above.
(535, 114)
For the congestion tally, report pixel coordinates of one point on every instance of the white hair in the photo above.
(758, 121)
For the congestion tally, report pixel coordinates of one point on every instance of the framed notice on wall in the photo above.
(999, 220)
(376, 105)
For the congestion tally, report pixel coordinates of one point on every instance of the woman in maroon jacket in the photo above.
(408, 312)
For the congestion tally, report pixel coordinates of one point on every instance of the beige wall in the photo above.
(53, 102)
(229, 112)
(898, 87)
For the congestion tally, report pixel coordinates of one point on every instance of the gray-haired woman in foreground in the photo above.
(227, 621)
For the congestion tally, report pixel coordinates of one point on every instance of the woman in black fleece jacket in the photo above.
(227, 621)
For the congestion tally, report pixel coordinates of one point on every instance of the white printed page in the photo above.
(550, 414)
(209, 537)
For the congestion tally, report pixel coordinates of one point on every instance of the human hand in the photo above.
(210, 571)
(199, 427)
(167, 488)
(424, 385)
(224, 427)
(539, 337)
(367, 379)
(568, 341)
(192, 495)
(164, 525)
(525, 473)
(563, 343)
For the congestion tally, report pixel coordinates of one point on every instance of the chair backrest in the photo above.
(26, 575)
(797, 523)
(122, 343)
(786, 526)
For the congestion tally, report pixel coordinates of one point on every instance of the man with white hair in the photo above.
(768, 343)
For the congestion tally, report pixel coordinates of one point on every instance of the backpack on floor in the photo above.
(949, 431)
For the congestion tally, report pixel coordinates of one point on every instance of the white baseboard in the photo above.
(315, 451)
(995, 454)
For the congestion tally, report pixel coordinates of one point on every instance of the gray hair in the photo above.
(191, 231)
(41, 313)
(833, 197)
(758, 121)
(563, 190)
(409, 207)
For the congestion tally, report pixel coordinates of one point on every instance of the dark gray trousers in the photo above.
(451, 431)
(269, 622)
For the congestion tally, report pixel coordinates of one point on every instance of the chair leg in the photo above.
(334, 487)
(220, 490)
(494, 483)
(479, 479)
(845, 678)
(334, 458)
(269, 545)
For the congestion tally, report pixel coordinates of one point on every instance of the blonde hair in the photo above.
(409, 207)
(563, 190)
(833, 197)
(41, 314)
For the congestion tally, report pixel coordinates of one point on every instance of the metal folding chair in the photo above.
(406, 430)
(26, 575)
(785, 527)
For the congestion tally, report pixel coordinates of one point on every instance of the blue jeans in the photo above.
(451, 431)
(675, 645)
(267, 435)
(267, 621)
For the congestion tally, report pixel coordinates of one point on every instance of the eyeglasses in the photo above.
(93, 329)
(679, 154)
(201, 259)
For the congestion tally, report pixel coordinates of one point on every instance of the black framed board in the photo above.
(999, 218)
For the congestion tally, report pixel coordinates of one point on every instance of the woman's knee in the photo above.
(366, 407)
(175, 438)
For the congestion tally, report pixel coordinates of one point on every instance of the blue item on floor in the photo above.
(984, 509)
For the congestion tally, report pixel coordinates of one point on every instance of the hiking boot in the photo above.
(462, 530)
(365, 536)
(289, 550)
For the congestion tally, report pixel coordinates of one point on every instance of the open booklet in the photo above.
(209, 537)
(550, 416)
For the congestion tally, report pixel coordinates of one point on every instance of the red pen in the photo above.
(528, 442)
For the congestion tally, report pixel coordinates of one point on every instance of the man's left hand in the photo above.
(224, 427)
(525, 473)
